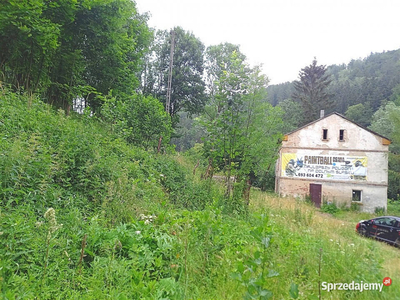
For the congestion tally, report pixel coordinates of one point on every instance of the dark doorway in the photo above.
(315, 194)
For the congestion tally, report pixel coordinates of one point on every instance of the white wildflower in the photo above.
(147, 219)
(50, 215)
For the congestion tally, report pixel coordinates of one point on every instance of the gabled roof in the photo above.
(343, 117)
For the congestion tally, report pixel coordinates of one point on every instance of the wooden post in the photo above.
(171, 62)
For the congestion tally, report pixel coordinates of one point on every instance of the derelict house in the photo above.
(334, 160)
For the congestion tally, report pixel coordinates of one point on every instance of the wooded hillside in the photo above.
(371, 82)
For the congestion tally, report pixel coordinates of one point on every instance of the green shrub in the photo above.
(330, 208)
(181, 187)
(380, 211)
(355, 206)
(393, 207)
(140, 120)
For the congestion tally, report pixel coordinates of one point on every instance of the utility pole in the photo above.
(171, 62)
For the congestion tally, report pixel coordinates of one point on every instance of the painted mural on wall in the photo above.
(333, 167)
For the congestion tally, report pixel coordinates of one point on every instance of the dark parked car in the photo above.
(385, 228)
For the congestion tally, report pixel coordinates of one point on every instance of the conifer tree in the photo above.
(311, 91)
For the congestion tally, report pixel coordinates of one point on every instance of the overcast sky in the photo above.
(285, 35)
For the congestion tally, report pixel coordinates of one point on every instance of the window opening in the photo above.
(324, 134)
(356, 196)
(341, 135)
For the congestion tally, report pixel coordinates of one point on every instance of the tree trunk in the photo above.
(210, 169)
(159, 145)
(246, 191)
(195, 167)
(228, 183)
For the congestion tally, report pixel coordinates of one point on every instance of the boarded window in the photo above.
(324, 134)
(356, 195)
(341, 135)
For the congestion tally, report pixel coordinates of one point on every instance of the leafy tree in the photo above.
(140, 120)
(292, 115)
(262, 132)
(69, 49)
(227, 83)
(241, 126)
(28, 40)
(188, 88)
(187, 133)
(394, 177)
(217, 63)
(383, 119)
(386, 121)
(311, 91)
(360, 113)
(393, 113)
(102, 48)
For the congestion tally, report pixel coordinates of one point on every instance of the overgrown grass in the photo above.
(182, 254)
(393, 208)
(346, 257)
(178, 255)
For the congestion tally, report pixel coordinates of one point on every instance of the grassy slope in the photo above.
(301, 231)
(99, 187)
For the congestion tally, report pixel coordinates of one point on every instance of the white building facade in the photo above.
(334, 160)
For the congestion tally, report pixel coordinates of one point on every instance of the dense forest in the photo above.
(358, 89)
